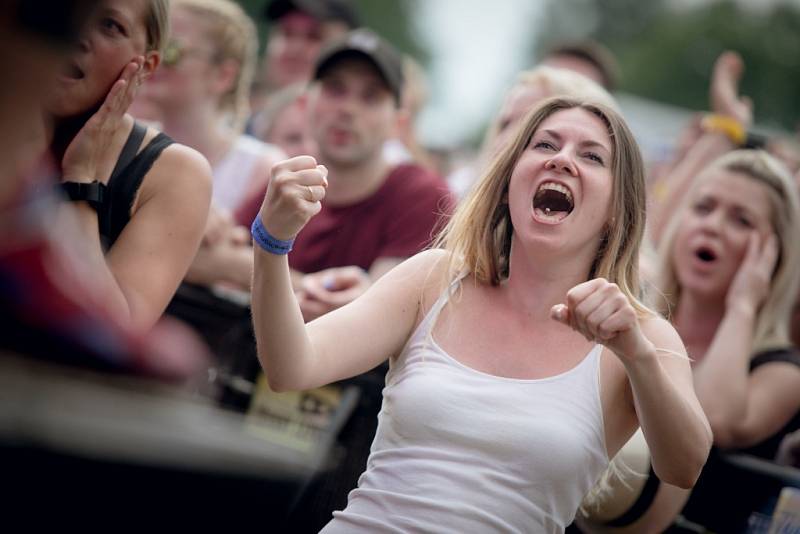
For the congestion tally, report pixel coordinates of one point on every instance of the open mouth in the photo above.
(553, 202)
(705, 254)
(73, 72)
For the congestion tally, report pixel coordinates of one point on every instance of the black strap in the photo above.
(785, 355)
(124, 186)
(642, 504)
(130, 149)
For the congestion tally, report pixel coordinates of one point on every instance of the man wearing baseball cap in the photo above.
(374, 214)
(299, 29)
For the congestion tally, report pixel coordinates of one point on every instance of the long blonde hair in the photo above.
(233, 36)
(157, 25)
(772, 323)
(478, 236)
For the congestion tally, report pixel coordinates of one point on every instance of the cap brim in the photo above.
(278, 8)
(334, 56)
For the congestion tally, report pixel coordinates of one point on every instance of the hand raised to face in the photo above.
(750, 286)
(93, 152)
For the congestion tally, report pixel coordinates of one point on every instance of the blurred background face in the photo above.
(188, 68)
(293, 46)
(576, 64)
(352, 112)
(711, 241)
(113, 36)
(290, 130)
(519, 102)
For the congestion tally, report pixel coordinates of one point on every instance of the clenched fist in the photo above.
(601, 312)
(295, 190)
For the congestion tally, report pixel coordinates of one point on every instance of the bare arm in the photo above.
(224, 262)
(154, 251)
(674, 187)
(745, 408)
(671, 417)
(668, 411)
(336, 346)
(324, 291)
(724, 100)
(146, 263)
(343, 343)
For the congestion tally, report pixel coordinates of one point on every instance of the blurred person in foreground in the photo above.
(54, 302)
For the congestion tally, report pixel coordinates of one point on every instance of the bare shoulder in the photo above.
(424, 269)
(179, 173)
(184, 163)
(662, 334)
(417, 279)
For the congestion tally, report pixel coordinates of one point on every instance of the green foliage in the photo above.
(670, 54)
(390, 18)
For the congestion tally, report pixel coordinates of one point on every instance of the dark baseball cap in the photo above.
(333, 10)
(365, 44)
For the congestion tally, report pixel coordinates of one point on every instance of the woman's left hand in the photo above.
(93, 152)
(599, 311)
(750, 286)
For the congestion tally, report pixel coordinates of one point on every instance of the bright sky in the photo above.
(477, 47)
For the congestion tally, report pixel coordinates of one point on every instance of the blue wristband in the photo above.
(271, 244)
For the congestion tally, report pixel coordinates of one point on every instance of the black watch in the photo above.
(93, 192)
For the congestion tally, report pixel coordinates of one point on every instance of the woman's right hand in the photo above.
(93, 152)
(750, 286)
(724, 90)
(293, 196)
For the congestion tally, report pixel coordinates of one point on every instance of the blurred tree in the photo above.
(667, 54)
(390, 18)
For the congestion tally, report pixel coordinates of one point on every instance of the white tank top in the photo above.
(233, 173)
(461, 451)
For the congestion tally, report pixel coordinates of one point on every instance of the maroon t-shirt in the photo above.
(397, 221)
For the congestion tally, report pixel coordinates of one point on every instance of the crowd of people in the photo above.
(557, 337)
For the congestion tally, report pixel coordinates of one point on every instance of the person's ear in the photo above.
(226, 77)
(403, 125)
(152, 60)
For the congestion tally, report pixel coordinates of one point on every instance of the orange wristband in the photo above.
(733, 129)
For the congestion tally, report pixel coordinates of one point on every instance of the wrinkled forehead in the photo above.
(579, 124)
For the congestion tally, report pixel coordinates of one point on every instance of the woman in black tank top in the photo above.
(141, 201)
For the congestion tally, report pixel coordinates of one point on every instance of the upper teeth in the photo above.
(556, 187)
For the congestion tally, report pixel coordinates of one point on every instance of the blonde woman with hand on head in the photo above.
(730, 271)
(520, 358)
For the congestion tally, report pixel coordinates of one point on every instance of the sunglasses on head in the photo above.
(175, 52)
